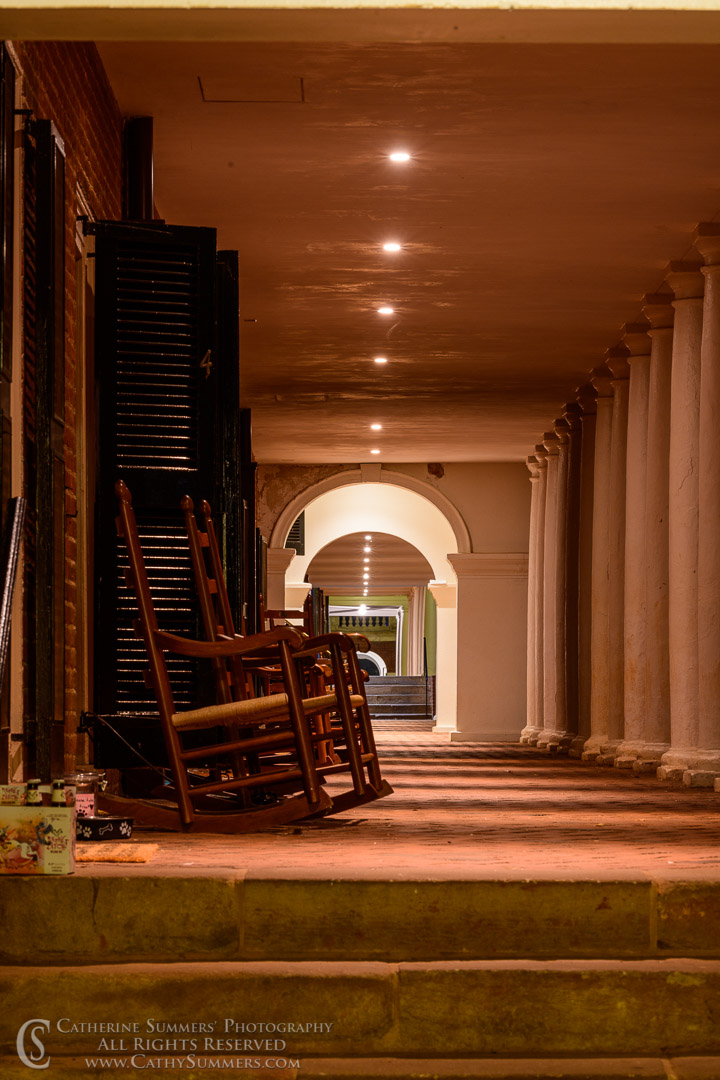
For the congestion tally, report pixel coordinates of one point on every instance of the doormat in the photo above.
(121, 853)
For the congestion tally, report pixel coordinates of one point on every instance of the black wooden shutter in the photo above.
(227, 502)
(7, 144)
(44, 405)
(157, 412)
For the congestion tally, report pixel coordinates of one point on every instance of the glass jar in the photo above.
(86, 783)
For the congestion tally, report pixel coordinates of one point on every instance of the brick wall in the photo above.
(65, 82)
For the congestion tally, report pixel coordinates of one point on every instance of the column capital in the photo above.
(658, 310)
(635, 338)
(562, 431)
(489, 564)
(707, 241)
(617, 362)
(534, 466)
(685, 280)
(279, 559)
(587, 399)
(542, 455)
(601, 379)
(571, 414)
(551, 442)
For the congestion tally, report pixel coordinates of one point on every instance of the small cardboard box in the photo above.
(37, 839)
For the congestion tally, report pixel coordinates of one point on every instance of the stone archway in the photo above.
(375, 498)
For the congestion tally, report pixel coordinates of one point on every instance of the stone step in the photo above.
(396, 1068)
(397, 693)
(646, 1008)
(398, 708)
(237, 916)
(396, 680)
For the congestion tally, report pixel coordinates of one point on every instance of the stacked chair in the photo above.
(326, 667)
(249, 761)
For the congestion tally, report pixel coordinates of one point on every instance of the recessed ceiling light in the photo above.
(366, 575)
(392, 246)
(367, 548)
(368, 537)
(366, 560)
(376, 427)
(385, 310)
(365, 592)
(399, 155)
(381, 359)
(374, 451)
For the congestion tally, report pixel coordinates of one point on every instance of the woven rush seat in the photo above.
(254, 711)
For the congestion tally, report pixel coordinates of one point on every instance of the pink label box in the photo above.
(36, 839)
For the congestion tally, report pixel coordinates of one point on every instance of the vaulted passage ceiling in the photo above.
(547, 188)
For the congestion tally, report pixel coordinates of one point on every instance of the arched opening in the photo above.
(387, 504)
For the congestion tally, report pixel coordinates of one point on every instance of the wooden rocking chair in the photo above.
(213, 779)
(342, 736)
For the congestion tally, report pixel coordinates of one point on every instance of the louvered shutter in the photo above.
(157, 419)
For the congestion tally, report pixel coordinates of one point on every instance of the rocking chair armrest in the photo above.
(235, 646)
(346, 642)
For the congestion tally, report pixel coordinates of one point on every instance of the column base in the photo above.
(641, 757)
(591, 749)
(608, 752)
(575, 750)
(702, 778)
(690, 758)
(529, 735)
(555, 742)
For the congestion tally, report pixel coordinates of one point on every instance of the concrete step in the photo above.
(398, 708)
(646, 1008)
(394, 1068)
(236, 916)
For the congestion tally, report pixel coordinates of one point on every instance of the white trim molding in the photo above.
(490, 564)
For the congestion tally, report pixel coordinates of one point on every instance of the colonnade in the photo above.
(624, 566)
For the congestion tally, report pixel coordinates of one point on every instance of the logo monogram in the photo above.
(35, 1059)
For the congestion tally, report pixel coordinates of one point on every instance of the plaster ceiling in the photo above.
(549, 185)
(394, 565)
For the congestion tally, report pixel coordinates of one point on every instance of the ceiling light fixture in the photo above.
(376, 427)
(399, 155)
(392, 246)
(381, 359)
(368, 537)
(367, 548)
(365, 592)
(374, 451)
(386, 310)
(366, 560)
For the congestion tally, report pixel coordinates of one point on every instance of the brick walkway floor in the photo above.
(473, 811)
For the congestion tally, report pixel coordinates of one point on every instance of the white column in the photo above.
(600, 645)
(550, 441)
(635, 337)
(492, 621)
(687, 284)
(655, 737)
(278, 562)
(541, 455)
(532, 728)
(586, 399)
(617, 362)
(572, 414)
(446, 658)
(555, 734)
(704, 765)
(416, 630)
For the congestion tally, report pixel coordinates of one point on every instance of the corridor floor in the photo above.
(475, 811)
